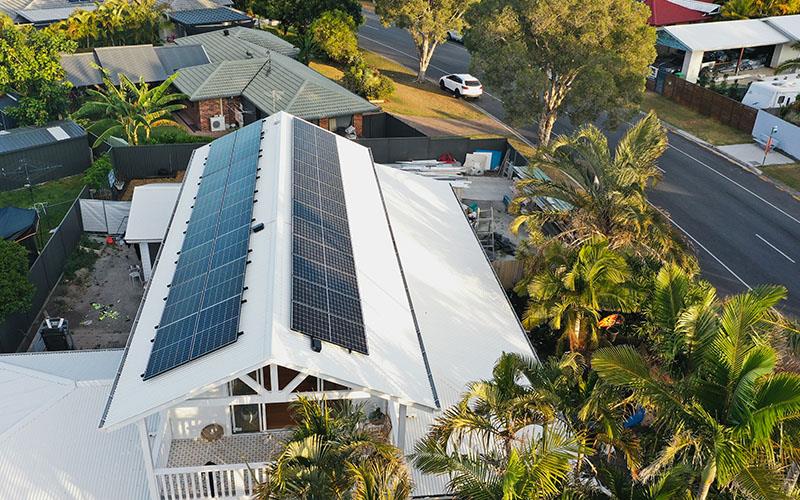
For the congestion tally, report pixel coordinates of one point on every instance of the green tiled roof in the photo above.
(274, 83)
(239, 43)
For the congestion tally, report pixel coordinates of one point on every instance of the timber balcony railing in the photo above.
(210, 481)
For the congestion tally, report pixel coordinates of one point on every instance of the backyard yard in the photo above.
(97, 295)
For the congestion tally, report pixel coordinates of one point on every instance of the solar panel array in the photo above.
(325, 299)
(204, 300)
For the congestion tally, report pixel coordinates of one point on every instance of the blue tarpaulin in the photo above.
(15, 222)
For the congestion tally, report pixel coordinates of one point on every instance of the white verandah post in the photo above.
(147, 454)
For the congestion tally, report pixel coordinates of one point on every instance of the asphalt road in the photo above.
(745, 231)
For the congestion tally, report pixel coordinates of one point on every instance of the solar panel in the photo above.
(325, 298)
(202, 308)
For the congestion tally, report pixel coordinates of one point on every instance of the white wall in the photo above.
(783, 53)
(787, 138)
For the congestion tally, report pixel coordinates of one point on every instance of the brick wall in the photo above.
(323, 123)
(358, 123)
(211, 107)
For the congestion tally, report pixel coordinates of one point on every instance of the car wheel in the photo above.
(441, 85)
(457, 94)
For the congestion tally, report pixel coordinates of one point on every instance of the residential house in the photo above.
(41, 13)
(145, 62)
(293, 266)
(235, 43)
(669, 12)
(190, 22)
(238, 92)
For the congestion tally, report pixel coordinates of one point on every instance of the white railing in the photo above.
(211, 481)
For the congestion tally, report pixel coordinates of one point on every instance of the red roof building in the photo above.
(669, 12)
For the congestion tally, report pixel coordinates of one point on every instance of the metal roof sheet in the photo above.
(724, 35)
(80, 69)
(788, 25)
(198, 17)
(52, 447)
(394, 367)
(151, 208)
(134, 61)
(175, 57)
(238, 43)
(18, 139)
(56, 14)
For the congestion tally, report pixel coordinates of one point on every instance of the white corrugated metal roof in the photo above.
(151, 208)
(394, 367)
(726, 35)
(55, 450)
(788, 25)
(464, 315)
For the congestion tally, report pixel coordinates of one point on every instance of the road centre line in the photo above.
(775, 248)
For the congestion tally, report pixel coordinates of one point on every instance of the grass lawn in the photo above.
(58, 196)
(701, 126)
(410, 98)
(788, 174)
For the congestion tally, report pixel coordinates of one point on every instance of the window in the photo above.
(472, 83)
(781, 99)
(339, 122)
(455, 78)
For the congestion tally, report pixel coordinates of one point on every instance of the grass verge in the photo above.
(410, 98)
(788, 174)
(699, 125)
(57, 196)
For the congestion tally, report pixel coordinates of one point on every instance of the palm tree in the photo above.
(130, 110)
(501, 440)
(728, 413)
(574, 289)
(330, 454)
(791, 64)
(606, 192)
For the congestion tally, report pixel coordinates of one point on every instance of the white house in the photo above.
(367, 283)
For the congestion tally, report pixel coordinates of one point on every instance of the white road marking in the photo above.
(736, 183)
(775, 248)
(702, 246)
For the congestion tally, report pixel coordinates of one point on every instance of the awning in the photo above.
(16, 222)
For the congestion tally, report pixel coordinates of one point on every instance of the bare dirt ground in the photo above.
(100, 303)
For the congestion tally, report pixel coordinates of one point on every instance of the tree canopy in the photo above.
(129, 111)
(582, 58)
(299, 14)
(427, 21)
(114, 22)
(30, 66)
(16, 292)
(335, 34)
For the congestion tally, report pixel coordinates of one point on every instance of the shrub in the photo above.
(16, 291)
(366, 81)
(335, 34)
(96, 176)
(174, 135)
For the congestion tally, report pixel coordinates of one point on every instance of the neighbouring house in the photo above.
(693, 42)
(147, 220)
(669, 12)
(29, 155)
(190, 22)
(238, 92)
(230, 44)
(146, 62)
(292, 266)
(41, 13)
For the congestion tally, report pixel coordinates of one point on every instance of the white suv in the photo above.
(461, 85)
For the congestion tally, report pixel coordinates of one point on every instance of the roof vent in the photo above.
(248, 53)
(225, 32)
(316, 344)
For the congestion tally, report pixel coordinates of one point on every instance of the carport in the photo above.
(697, 39)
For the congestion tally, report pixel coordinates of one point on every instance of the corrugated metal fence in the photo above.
(151, 160)
(44, 274)
(44, 163)
(393, 149)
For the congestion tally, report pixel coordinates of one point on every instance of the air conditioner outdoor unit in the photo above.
(217, 123)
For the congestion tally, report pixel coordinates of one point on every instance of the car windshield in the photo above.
(472, 83)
